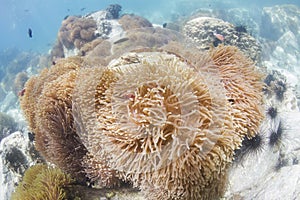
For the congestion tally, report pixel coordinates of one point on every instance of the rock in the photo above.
(242, 17)
(273, 172)
(7, 125)
(113, 11)
(281, 48)
(278, 20)
(8, 102)
(17, 153)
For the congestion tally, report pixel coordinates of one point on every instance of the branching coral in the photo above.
(42, 183)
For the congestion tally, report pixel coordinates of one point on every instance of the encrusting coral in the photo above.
(166, 118)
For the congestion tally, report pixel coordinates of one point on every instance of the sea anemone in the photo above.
(243, 84)
(156, 119)
(169, 119)
(83, 109)
(35, 85)
(99, 173)
(47, 105)
(56, 136)
(41, 182)
(166, 118)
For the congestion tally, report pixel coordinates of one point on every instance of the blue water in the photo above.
(45, 17)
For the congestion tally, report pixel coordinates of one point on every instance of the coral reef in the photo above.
(80, 35)
(98, 53)
(10, 67)
(57, 51)
(151, 115)
(280, 39)
(201, 30)
(145, 37)
(243, 19)
(112, 122)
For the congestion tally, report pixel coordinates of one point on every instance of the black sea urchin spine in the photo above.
(276, 134)
(272, 112)
(252, 145)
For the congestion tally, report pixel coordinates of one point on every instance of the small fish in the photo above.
(30, 32)
(21, 93)
(82, 9)
(121, 40)
(219, 36)
(129, 96)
